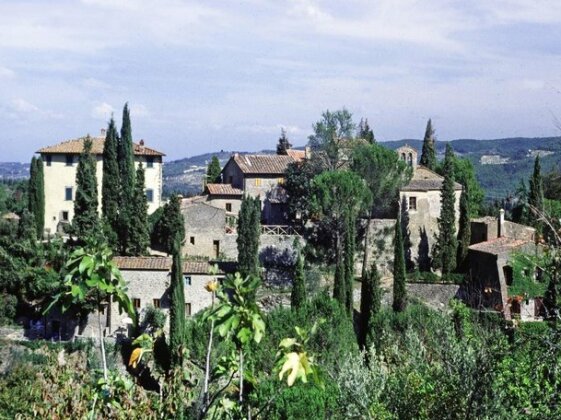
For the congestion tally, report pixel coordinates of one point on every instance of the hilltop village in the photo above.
(344, 230)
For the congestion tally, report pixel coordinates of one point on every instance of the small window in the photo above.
(48, 160)
(412, 203)
(229, 207)
(69, 160)
(157, 303)
(187, 280)
(507, 271)
(150, 195)
(230, 179)
(257, 182)
(150, 162)
(192, 240)
(65, 216)
(68, 193)
(187, 309)
(136, 303)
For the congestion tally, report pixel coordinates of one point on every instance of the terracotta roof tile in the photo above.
(263, 164)
(223, 189)
(426, 180)
(297, 155)
(161, 264)
(77, 145)
(498, 246)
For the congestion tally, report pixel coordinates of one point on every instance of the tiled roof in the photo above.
(297, 155)
(161, 264)
(76, 146)
(223, 189)
(498, 246)
(426, 180)
(263, 164)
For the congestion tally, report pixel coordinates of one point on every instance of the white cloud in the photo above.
(138, 110)
(102, 111)
(6, 72)
(22, 106)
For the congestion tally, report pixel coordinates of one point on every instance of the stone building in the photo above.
(60, 162)
(494, 241)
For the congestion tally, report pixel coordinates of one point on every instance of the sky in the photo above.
(202, 76)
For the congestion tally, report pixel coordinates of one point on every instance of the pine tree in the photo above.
(370, 305)
(86, 220)
(399, 290)
(445, 249)
(464, 231)
(110, 184)
(428, 155)
(125, 156)
(298, 295)
(36, 195)
(213, 171)
(365, 132)
(284, 144)
(535, 196)
(139, 237)
(177, 308)
(249, 230)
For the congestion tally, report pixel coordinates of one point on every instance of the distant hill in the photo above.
(14, 170)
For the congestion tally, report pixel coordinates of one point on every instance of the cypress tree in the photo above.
(464, 231)
(125, 156)
(139, 237)
(213, 171)
(370, 304)
(26, 227)
(428, 154)
(249, 230)
(365, 132)
(339, 283)
(170, 228)
(86, 220)
(298, 295)
(349, 263)
(399, 290)
(177, 308)
(535, 196)
(446, 246)
(284, 144)
(36, 195)
(110, 184)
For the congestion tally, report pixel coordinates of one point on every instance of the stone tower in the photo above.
(408, 154)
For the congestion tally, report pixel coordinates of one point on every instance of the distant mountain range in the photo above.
(500, 164)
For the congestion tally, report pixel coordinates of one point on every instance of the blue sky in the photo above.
(210, 75)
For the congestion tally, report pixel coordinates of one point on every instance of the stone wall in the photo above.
(205, 229)
(380, 246)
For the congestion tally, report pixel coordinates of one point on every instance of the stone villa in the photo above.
(60, 162)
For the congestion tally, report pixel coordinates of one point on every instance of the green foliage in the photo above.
(139, 236)
(552, 185)
(428, 154)
(36, 195)
(169, 229)
(177, 310)
(110, 189)
(370, 305)
(464, 232)
(283, 144)
(445, 249)
(85, 222)
(525, 270)
(249, 230)
(365, 132)
(298, 184)
(399, 290)
(383, 172)
(213, 171)
(464, 173)
(536, 197)
(298, 295)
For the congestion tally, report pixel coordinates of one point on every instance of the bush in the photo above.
(430, 277)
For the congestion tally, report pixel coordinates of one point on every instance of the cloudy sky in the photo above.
(210, 75)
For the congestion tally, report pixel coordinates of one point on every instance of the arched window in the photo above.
(410, 159)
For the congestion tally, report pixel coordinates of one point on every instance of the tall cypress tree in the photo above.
(86, 220)
(298, 295)
(464, 232)
(445, 249)
(110, 184)
(365, 132)
(125, 156)
(177, 308)
(213, 171)
(349, 262)
(139, 237)
(370, 304)
(428, 154)
(399, 290)
(170, 228)
(249, 230)
(283, 144)
(535, 196)
(36, 195)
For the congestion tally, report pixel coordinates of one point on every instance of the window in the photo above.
(257, 182)
(68, 193)
(136, 303)
(69, 160)
(410, 159)
(412, 203)
(216, 248)
(64, 216)
(229, 207)
(157, 303)
(187, 309)
(192, 240)
(150, 195)
(508, 274)
(230, 179)
(187, 280)
(150, 162)
(48, 159)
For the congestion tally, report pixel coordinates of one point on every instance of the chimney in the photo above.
(103, 132)
(501, 226)
(141, 142)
